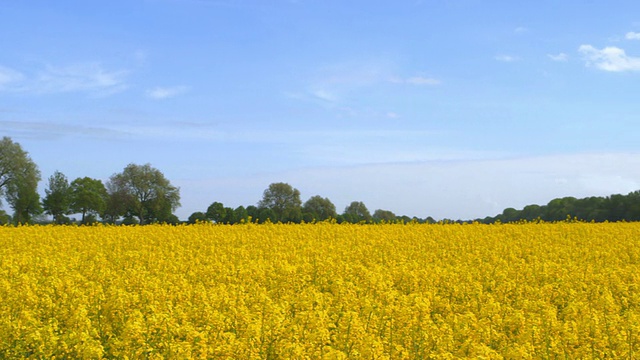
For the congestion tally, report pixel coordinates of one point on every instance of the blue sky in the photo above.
(449, 109)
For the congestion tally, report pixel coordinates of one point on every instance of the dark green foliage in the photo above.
(4, 218)
(356, 212)
(57, 201)
(146, 192)
(197, 216)
(88, 197)
(283, 201)
(383, 215)
(216, 212)
(19, 177)
(598, 209)
(240, 215)
(319, 209)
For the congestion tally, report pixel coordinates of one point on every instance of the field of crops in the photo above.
(566, 290)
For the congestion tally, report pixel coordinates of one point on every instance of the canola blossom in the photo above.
(321, 291)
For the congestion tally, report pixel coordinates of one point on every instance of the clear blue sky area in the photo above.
(450, 109)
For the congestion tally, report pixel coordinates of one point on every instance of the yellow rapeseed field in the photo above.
(321, 291)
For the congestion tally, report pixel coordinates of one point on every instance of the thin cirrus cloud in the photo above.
(415, 80)
(632, 36)
(9, 76)
(609, 58)
(561, 57)
(52, 130)
(419, 80)
(90, 77)
(161, 93)
(506, 58)
(82, 77)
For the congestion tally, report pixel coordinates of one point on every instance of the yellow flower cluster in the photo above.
(321, 291)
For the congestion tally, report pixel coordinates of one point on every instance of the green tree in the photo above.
(531, 212)
(22, 195)
(88, 197)
(240, 215)
(216, 212)
(510, 215)
(57, 200)
(160, 211)
(356, 212)
(19, 177)
(559, 209)
(12, 158)
(197, 216)
(633, 206)
(118, 202)
(383, 215)
(229, 216)
(4, 218)
(319, 209)
(266, 214)
(150, 196)
(284, 201)
(253, 212)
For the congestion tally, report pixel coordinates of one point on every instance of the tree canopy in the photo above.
(148, 194)
(356, 212)
(57, 201)
(88, 196)
(318, 208)
(19, 177)
(284, 201)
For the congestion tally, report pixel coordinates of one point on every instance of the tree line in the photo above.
(141, 194)
(281, 202)
(595, 208)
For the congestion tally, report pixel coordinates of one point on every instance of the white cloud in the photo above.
(160, 93)
(9, 76)
(562, 57)
(521, 30)
(90, 77)
(415, 80)
(506, 58)
(610, 58)
(392, 115)
(632, 36)
(419, 80)
(325, 95)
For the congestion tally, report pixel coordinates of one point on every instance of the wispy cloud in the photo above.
(324, 95)
(610, 58)
(561, 57)
(632, 36)
(160, 93)
(82, 77)
(521, 30)
(9, 76)
(415, 80)
(419, 80)
(506, 58)
(54, 130)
